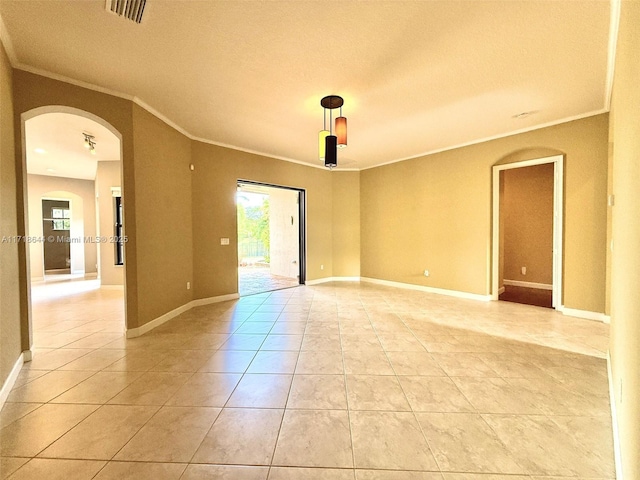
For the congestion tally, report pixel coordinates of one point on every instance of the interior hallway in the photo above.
(74, 313)
(336, 381)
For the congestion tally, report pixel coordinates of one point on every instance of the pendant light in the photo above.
(341, 130)
(324, 133)
(328, 143)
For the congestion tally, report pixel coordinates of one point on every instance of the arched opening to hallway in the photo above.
(72, 165)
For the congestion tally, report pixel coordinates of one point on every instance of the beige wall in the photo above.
(346, 224)
(434, 212)
(10, 338)
(41, 185)
(108, 174)
(528, 223)
(163, 216)
(32, 91)
(625, 260)
(217, 170)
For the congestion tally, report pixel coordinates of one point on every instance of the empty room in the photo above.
(356, 240)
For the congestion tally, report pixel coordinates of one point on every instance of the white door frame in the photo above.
(558, 206)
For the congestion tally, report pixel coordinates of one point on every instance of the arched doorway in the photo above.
(557, 163)
(72, 159)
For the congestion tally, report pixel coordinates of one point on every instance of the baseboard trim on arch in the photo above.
(11, 379)
(155, 323)
(587, 315)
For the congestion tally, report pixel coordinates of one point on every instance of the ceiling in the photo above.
(55, 146)
(417, 76)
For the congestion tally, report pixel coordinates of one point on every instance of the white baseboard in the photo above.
(614, 421)
(318, 281)
(91, 276)
(37, 279)
(147, 327)
(112, 287)
(421, 288)
(220, 298)
(572, 312)
(11, 380)
(156, 322)
(500, 290)
(518, 283)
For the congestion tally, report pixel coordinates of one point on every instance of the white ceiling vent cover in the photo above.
(131, 9)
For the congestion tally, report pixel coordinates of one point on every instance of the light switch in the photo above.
(224, 241)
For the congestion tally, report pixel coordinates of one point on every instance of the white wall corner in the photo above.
(11, 380)
(614, 421)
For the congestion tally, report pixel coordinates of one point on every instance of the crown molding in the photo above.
(612, 45)
(142, 104)
(614, 27)
(494, 137)
(5, 39)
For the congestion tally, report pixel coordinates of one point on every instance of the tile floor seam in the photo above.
(498, 437)
(346, 392)
(415, 417)
(375, 306)
(284, 413)
(125, 444)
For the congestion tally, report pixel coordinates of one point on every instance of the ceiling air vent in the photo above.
(131, 9)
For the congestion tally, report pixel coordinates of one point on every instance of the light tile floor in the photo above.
(337, 381)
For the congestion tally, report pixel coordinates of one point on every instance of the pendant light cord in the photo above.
(330, 121)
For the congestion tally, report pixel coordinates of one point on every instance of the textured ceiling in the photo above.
(417, 76)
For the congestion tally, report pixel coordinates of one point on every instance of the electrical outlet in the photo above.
(426, 273)
(321, 267)
(524, 270)
(188, 285)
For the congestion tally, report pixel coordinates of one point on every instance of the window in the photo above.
(61, 218)
(119, 240)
